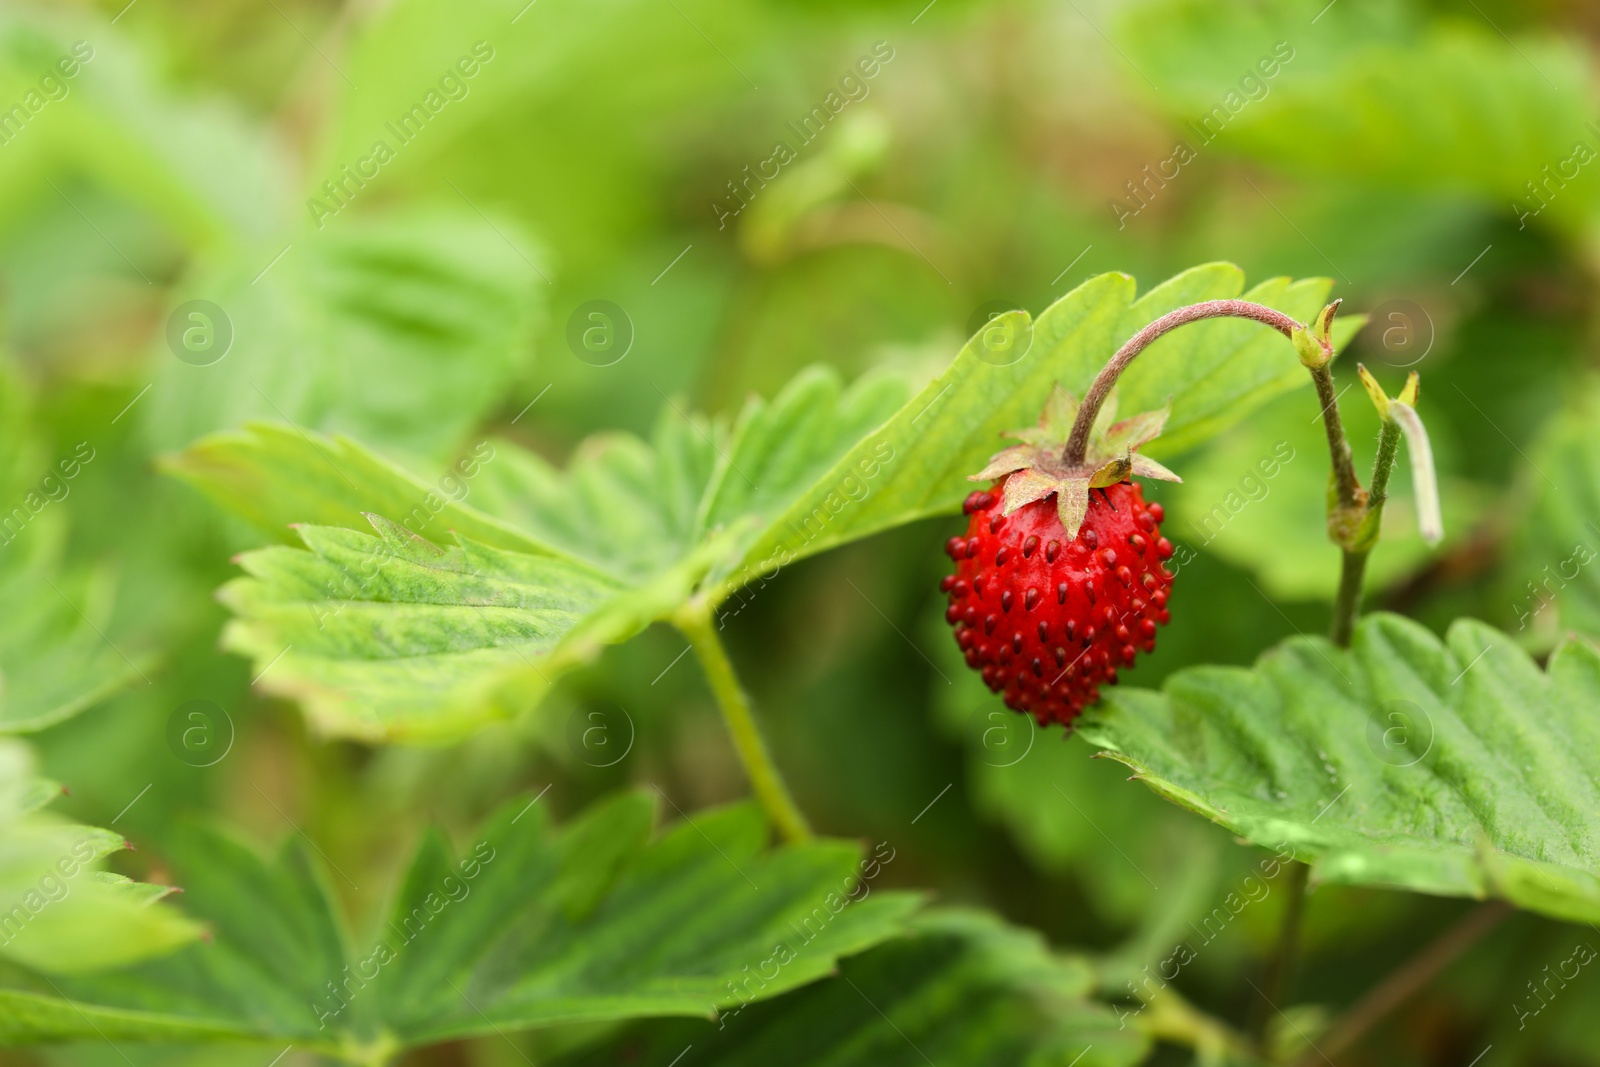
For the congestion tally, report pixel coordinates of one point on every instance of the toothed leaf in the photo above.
(966, 989)
(528, 927)
(59, 913)
(1455, 767)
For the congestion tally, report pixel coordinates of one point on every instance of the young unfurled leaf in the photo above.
(527, 927)
(1455, 767)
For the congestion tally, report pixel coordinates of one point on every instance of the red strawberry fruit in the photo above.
(1059, 580)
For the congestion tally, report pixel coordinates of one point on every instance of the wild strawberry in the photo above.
(1051, 598)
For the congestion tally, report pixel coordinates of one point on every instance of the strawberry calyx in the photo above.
(1037, 467)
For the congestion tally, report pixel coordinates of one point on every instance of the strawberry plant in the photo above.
(473, 593)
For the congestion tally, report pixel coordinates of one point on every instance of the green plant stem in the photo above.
(1352, 573)
(1347, 603)
(1280, 968)
(1388, 452)
(696, 622)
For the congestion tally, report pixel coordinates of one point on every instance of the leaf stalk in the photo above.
(696, 621)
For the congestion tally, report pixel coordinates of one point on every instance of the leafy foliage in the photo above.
(963, 988)
(1454, 767)
(341, 332)
(58, 912)
(1396, 151)
(530, 927)
(200, 167)
(706, 505)
(1457, 109)
(1554, 583)
(410, 640)
(55, 660)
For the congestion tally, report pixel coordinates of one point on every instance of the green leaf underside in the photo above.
(964, 989)
(59, 912)
(703, 504)
(1454, 767)
(527, 928)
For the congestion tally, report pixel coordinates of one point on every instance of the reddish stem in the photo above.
(1078, 443)
(1348, 485)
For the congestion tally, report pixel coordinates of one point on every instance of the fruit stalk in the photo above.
(1353, 513)
(696, 623)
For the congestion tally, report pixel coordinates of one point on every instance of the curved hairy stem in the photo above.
(766, 782)
(1347, 485)
(1351, 516)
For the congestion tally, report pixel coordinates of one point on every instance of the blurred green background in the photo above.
(1436, 160)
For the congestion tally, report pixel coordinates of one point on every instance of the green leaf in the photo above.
(528, 927)
(55, 659)
(964, 989)
(704, 506)
(391, 636)
(276, 476)
(207, 172)
(1369, 98)
(1551, 570)
(59, 913)
(402, 331)
(1452, 767)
